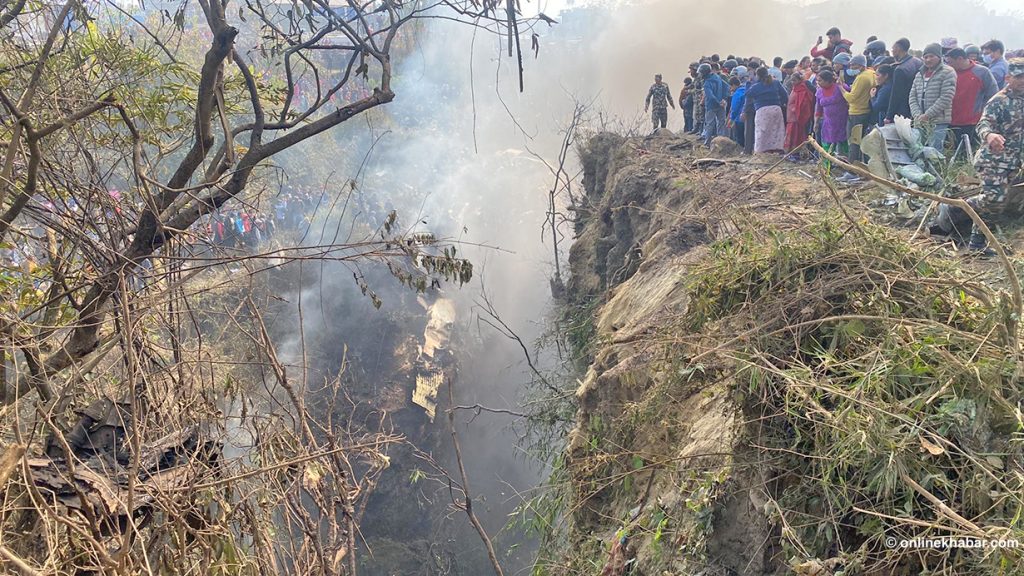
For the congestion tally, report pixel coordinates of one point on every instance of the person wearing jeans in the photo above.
(716, 92)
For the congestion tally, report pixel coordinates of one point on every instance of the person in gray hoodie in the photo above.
(931, 96)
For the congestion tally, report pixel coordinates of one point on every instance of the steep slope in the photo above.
(777, 386)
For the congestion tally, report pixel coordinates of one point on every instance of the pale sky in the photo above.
(552, 7)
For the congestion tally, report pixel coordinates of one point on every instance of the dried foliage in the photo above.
(121, 133)
(881, 390)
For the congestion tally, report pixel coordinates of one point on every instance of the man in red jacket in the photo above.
(836, 44)
(975, 86)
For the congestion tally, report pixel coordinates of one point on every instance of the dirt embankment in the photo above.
(778, 386)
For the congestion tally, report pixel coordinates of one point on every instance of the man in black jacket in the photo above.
(904, 71)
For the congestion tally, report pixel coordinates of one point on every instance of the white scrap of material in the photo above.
(440, 319)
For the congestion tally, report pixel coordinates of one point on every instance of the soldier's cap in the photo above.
(1016, 67)
(876, 46)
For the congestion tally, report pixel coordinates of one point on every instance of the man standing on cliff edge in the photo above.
(661, 97)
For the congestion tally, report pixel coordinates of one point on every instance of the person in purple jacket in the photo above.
(831, 112)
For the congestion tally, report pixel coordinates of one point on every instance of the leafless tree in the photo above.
(121, 134)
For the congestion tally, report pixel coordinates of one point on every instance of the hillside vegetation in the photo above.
(777, 384)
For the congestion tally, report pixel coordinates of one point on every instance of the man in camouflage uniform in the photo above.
(1000, 160)
(698, 100)
(661, 97)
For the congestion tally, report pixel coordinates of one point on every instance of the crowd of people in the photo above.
(250, 228)
(837, 94)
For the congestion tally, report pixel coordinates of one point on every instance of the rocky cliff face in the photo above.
(655, 455)
(715, 431)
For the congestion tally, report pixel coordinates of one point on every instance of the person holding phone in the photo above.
(836, 44)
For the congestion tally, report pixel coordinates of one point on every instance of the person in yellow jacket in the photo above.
(859, 99)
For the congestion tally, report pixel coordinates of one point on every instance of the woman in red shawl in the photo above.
(799, 113)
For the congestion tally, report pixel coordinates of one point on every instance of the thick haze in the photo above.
(452, 153)
(636, 41)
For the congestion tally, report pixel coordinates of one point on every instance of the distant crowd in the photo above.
(972, 94)
(251, 228)
(836, 94)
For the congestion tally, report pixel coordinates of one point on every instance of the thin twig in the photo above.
(467, 498)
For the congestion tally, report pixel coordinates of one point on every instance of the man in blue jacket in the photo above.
(716, 92)
(993, 57)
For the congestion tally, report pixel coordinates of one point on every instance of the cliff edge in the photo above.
(776, 384)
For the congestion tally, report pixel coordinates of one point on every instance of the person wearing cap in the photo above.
(905, 70)
(686, 103)
(859, 99)
(874, 49)
(716, 95)
(660, 97)
(974, 87)
(948, 44)
(836, 44)
(973, 52)
(839, 65)
(931, 96)
(742, 73)
(787, 73)
(1001, 157)
(992, 55)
